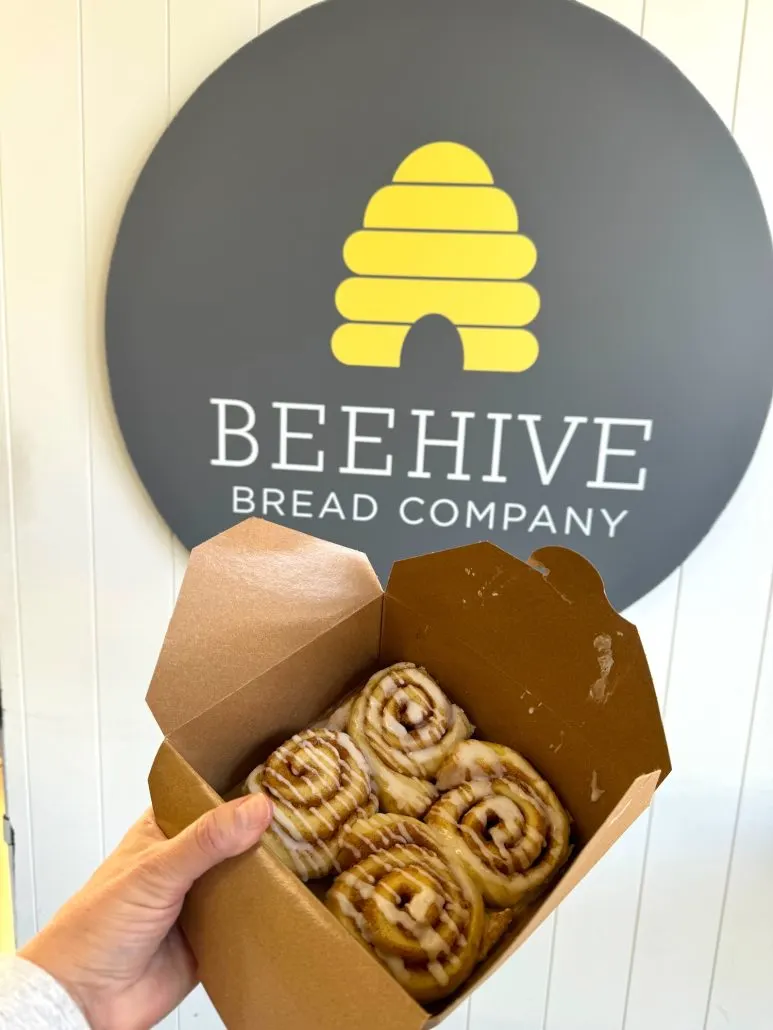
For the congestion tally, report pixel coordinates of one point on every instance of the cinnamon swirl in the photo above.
(503, 821)
(318, 782)
(409, 902)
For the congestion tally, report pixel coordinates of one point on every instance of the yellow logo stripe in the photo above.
(374, 345)
(485, 350)
(501, 350)
(440, 255)
(475, 208)
(463, 303)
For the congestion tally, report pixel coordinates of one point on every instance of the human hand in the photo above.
(116, 947)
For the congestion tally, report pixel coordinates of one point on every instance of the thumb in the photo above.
(224, 832)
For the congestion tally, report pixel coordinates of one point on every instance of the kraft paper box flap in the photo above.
(548, 626)
(250, 597)
(226, 741)
(534, 652)
(264, 943)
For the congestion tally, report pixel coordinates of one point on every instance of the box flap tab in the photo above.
(250, 597)
(548, 625)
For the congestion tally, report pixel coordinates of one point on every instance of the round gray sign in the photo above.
(405, 275)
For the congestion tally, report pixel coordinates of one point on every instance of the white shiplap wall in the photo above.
(675, 928)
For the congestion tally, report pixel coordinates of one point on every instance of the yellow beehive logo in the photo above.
(441, 239)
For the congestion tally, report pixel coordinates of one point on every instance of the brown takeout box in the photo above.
(272, 627)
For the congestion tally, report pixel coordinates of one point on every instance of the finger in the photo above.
(224, 832)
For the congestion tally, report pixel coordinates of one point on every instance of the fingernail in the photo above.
(254, 811)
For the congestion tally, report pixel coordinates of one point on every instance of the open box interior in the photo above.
(273, 629)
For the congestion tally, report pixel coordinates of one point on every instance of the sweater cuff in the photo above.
(31, 999)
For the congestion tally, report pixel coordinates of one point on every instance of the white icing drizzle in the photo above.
(439, 973)
(474, 760)
(503, 819)
(419, 916)
(311, 809)
(421, 904)
(414, 713)
(429, 940)
(501, 838)
(395, 964)
(391, 725)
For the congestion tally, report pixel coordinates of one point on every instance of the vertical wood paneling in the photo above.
(125, 102)
(515, 996)
(703, 39)
(202, 35)
(50, 436)
(88, 572)
(11, 662)
(457, 1020)
(719, 630)
(742, 989)
(741, 996)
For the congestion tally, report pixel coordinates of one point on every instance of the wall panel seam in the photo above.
(739, 802)
(168, 76)
(549, 980)
(741, 50)
(90, 451)
(167, 7)
(760, 662)
(645, 856)
(14, 555)
(670, 664)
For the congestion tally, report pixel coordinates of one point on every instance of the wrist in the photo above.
(39, 990)
(43, 955)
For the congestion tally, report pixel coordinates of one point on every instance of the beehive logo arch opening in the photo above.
(441, 239)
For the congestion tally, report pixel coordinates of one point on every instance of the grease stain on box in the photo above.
(601, 691)
(555, 748)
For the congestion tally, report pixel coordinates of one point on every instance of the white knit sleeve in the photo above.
(30, 999)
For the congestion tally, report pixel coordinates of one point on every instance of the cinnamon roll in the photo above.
(496, 923)
(409, 902)
(503, 821)
(406, 727)
(318, 781)
(337, 719)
